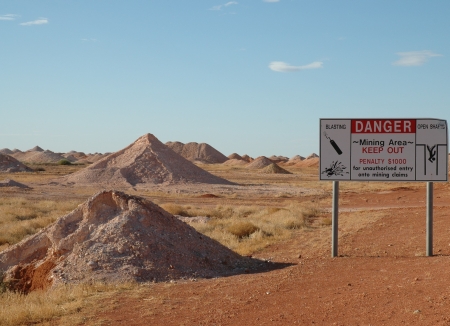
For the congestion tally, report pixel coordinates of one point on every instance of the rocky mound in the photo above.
(115, 237)
(176, 146)
(235, 156)
(35, 149)
(259, 163)
(75, 154)
(309, 162)
(313, 155)
(247, 158)
(278, 159)
(146, 161)
(10, 164)
(70, 158)
(274, 169)
(6, 151)
(296, 158)
(12, 183)
(195, 152)
(42, 157)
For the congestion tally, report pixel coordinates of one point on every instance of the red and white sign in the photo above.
(383, 126)
(383, 149)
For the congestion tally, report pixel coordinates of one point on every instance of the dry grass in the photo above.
(20, 217)
(175, 209)
(247, 229)
(40, 307)
(242, 229)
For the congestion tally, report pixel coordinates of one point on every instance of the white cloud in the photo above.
(285, 67)
(271, 1)
(219, 7)
(8, 17)
(39, 21)
(414, 58)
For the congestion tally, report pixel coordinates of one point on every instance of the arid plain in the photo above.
(278, 222)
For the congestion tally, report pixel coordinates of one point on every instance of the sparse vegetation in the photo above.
(64, 162)
(247, 229)
(242, 229)
(20, 217)
(38, 307)
(175, 209)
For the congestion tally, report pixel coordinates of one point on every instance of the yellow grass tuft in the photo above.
(242, 229)
(175, 209)
(38, 307)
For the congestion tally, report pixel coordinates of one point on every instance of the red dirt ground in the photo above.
(381, 277)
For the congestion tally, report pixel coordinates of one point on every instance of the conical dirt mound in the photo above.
(12, 183)
(296, 158)
(42, 157)
(274, 169)
(247, 158)
(114, 237)
(235, 156)
(146, 161)
(195, 152)
(176, 146)
(36, 149)
(6, 151)
(309, 162)
(259, 163)
(10, 164)
(312, 155)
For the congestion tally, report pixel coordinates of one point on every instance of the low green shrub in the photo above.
(64, 162)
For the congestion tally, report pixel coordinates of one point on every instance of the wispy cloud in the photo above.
(89, 39)
(8, 17)
(39, 21)
(271, 1)
(219, 7)
(414, 58)
(280, 66)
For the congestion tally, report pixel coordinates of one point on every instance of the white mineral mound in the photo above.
(146, 161)
(115, 237)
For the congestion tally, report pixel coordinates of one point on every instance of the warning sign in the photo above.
(384, 149)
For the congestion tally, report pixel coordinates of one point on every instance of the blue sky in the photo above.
(252, 77)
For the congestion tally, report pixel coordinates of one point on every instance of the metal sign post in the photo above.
(429, 219)
(383, 150)
(335, 220)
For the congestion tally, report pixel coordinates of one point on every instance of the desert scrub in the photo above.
(20, 217)
(175, 209)
(242, 229)
(246, 229)
(64, 162)
(39, 307)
